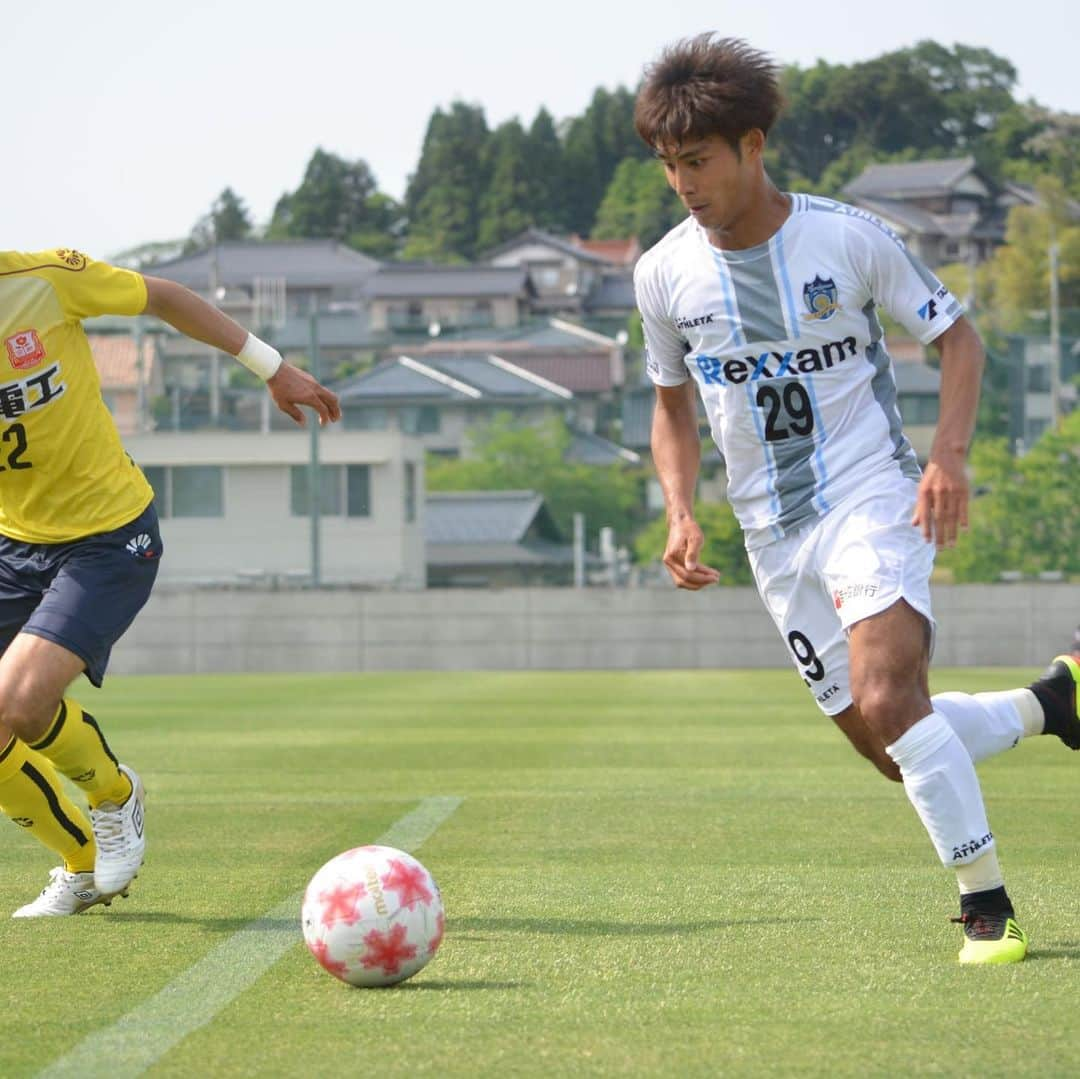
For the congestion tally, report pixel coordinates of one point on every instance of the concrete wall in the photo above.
(191, 632)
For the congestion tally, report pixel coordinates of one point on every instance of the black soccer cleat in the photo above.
(1057, 692)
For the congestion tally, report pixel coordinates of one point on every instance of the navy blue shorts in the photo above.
(81, 595)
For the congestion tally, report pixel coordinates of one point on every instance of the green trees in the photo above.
(1026, 517)
(474, 187)
(227, 219)
(1014, 284)
(594, 145)
(442, 201)
(723, 550)
(339, 199)
(638, 202)
(923, 101)
(507, 455)
(505, 207)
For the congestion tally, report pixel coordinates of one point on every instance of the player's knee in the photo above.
(887, 706)
(22, 711)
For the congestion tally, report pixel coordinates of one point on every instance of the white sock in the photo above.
(940, 782)
(990, 723)
(981, 875)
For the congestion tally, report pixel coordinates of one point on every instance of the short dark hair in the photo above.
(701, 87)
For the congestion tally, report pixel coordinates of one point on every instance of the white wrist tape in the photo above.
(259, 357)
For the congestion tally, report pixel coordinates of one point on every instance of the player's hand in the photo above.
(291, 387)
(684, 544)
(941, 508)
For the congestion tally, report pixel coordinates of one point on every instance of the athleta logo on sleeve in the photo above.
(24, 349)
(691, 322)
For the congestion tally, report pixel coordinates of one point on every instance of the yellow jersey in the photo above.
(64, 473)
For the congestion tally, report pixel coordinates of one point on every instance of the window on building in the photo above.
(358, 495)
(479, 314)
(346, 490)
(410, 492)
(917, 409)
(420, 419)
(155, 476)
(300, 490)
(545, 274)
(187, 490)
(407, 316)
(366, 419)
(1038, 378)
(952, 249)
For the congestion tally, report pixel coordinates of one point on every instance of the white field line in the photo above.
(144, 1035)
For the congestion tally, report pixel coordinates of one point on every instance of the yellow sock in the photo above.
(31, 795)
(75, 744)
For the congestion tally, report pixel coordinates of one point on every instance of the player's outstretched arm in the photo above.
(194, 317)
(941, 510)
(676, 451)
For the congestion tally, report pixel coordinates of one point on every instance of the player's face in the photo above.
(715, 183)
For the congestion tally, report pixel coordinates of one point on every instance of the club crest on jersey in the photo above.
(24, 349)
(820, 298)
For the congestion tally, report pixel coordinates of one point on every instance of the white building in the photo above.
(235, 508)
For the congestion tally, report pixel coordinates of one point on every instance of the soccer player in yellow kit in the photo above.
(79, 551)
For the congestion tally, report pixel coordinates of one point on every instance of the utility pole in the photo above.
(579, 550)
(1055, 334)
(314, 474)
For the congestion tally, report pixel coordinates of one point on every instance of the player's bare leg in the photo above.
(866, 742)
(889, 658)
(989, 723)
(34, 674)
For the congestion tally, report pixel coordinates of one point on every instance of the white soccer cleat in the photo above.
(66, 893)
(121, 842)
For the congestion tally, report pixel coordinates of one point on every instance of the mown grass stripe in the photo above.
(137, 1040)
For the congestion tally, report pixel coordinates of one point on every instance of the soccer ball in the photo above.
(372, 916)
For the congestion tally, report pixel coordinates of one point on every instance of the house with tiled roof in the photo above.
(420, 299)
(564, 271)
(591, 364)
(488, 539)
(622, 253)
(130, 377)
(439, 397)
(271, 279)
(945, 210)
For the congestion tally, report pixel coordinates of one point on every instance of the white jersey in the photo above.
(785, 345)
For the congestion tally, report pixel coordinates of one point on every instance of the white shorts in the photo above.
(858, 560)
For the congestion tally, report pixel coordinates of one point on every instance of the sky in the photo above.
(124, 120)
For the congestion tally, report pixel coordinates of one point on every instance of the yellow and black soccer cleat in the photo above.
(992, 938)
(1057, 693)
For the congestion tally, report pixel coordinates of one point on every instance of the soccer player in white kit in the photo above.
(765, 304)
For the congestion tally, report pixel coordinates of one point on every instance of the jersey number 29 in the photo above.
(788, 411)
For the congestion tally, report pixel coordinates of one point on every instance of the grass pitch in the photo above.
(652, 873)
